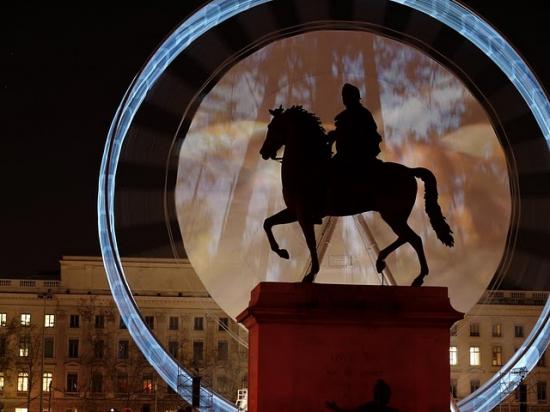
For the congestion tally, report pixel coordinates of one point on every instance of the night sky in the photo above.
(63, 72)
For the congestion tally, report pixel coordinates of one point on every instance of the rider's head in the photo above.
(350, 94)
(382, 392)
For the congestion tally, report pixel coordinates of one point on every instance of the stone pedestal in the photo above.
(314, 343)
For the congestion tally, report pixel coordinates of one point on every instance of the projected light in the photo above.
(448, 12)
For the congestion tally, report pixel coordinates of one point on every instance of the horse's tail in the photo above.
(441, 227)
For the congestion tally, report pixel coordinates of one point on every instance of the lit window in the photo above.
(24, 343)
(497, 356)
(72, 382)
(49, 321)
(22, 382)
(541, 391)
(99, 321)
(47, 378)
(497, 330)
(474, 385)
(518, 331)
(3, 319)
(25, 319)
(453, 356)
(73, 348)
(198, 324)
(174, 323)
(48, 347)
(474, 329)
(223, 324)
(223, 350)
(147, 384)
(74, 321)
(2, 382)
(475, 359)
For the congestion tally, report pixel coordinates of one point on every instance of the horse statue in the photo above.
(314, 187)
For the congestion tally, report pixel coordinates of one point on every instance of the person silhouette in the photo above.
(381, 399)
(356, 134)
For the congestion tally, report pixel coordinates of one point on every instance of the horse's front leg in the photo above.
(309, 233)
(283, 217)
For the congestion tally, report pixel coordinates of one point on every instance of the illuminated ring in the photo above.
(452, 14)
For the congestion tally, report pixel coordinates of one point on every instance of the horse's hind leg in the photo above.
(405, 234)
(309, 234)
(283, 217)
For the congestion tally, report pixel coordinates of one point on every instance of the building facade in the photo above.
(488, 337)
(64, 347)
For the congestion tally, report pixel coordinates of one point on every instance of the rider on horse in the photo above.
(356, 135)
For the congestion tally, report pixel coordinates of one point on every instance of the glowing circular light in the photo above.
(450, 13)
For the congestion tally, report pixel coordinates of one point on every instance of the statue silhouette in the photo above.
(356, 135)
(381, 399)
(311, 191)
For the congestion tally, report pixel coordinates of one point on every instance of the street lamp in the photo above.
(44, 296)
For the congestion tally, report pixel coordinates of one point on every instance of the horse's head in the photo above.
(275, 137)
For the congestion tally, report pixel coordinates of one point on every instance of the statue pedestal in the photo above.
(314, 343)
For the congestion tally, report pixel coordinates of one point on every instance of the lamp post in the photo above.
(44, 296)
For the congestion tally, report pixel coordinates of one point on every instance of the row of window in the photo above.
(123, 347)
(72, 382)
(496, 330)
(99, 323)
(475, 356)
(475, 384)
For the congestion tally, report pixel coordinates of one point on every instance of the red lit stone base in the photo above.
(314, 343)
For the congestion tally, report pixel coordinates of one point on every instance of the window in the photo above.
(3, 319)
(173, 323)
(223, 350)
(474, 329)
(47, 378)
(198, 348)
(475, 359)
(123, 346)
(22, 382)
(121, 324)
(122, 383)
(73, 348)
(223, 324)
(97, 383)
(150, 322)
(454, 330)
(99, 321)
(25, 319)
(24, 344)
(454, 391)
(2, 382)
(453, 355)
(148, 383)
(497, 330)
(518, 331)
(497, 356)
(49, 321)
(48, 347)
(173, 346)
(72, 382)
(541, 391)
(198, 324)
(3, 346)
(99, 349)
(74, 321)
(474, 385)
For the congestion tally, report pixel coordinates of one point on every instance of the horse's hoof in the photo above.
(418, 281)
(380, 265)
(308, 278)
(283, 253)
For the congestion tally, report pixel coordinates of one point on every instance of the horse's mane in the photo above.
(308, 121)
